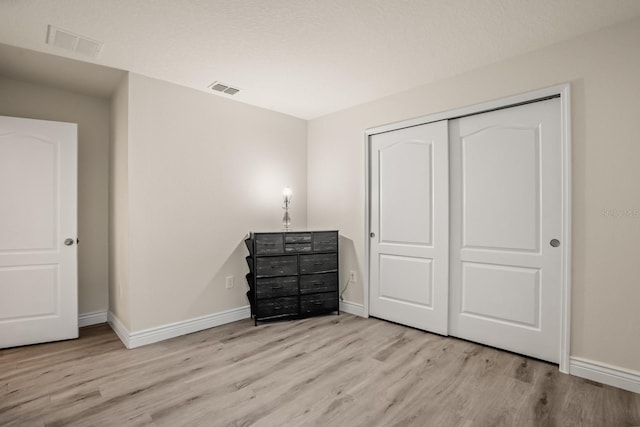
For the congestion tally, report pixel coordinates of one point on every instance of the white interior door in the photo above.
(409, 264)
(38, 271)
(506, 208)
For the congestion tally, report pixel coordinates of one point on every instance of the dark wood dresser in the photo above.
(292, 274)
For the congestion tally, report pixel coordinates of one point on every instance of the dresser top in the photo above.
(295, 231)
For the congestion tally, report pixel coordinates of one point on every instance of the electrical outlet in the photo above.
(352, 276)
(229, 282)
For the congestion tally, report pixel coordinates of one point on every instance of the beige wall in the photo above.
(119, 204)
(21, 99)
(603, 70)
(202, 172)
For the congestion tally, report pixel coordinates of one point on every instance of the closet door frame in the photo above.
(563, 92)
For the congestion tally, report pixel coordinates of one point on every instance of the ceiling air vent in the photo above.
(224, 88)
(73, 42)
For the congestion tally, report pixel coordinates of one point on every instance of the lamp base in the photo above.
(286, 221)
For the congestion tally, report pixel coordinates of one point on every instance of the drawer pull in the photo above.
(326, 242)
(317, 283)
(318, 263)
(277, 287)
(317, 303)
(277, 307)
(277, 266)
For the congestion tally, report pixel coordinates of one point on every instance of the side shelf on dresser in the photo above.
(292, 274)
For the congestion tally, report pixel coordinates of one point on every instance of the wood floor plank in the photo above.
(323, 371)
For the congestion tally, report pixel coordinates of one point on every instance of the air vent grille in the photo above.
(73, 42)
(224, 88)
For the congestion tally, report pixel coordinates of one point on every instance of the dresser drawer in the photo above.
(318, 263)
(319, 303)
(272, 287)
(327, 282)
(325, 241)
(277, 266)
(277, 307)
(297, 237)
(268, 244)
(297, 247)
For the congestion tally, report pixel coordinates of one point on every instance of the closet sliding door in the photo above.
(409, 239)
(506, 226)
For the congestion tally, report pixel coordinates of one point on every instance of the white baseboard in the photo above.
(172, 330)
(95, 318)
(118, 328)
(605, 374)
(352, 308)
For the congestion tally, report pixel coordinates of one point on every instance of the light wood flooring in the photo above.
(325, 371)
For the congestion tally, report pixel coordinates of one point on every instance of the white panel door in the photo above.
(506, 209)
(409, 264)
(38, 271)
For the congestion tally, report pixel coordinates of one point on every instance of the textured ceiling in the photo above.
(306, 57)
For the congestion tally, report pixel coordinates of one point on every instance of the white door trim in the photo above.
(564, 91)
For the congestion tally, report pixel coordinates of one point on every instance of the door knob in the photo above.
(372, 234)
(68, 242)
(554, 243)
